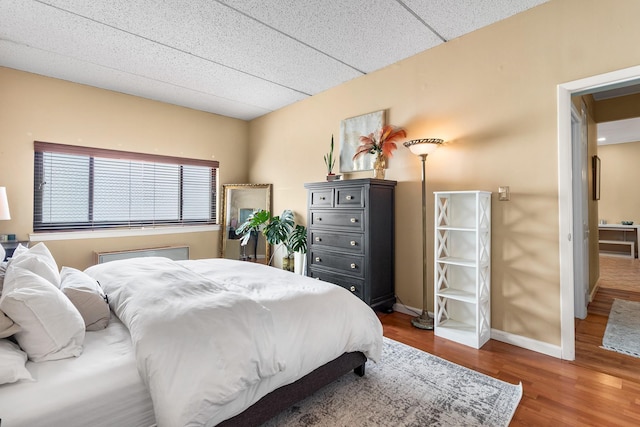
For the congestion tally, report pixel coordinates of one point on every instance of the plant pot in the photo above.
(333, 177)
(287, 263)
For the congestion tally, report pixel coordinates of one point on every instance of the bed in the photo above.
(167, 357)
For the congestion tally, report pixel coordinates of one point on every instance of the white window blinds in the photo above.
(80, 188)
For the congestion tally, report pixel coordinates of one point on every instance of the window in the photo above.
(81, 188)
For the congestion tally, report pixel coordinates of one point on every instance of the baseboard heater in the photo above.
(176, 253)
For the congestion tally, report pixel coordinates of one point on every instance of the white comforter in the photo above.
(213, 336)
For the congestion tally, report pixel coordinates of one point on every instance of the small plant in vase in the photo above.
(381, 144)
(330, 161)
(278, 230)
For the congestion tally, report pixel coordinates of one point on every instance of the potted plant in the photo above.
(381, 144)
(278, 230)
(330, 162)
(250, 229)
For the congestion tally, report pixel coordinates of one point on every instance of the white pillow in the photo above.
(39, 260)
(7, 326)
(20, 249)
(12, 361)
(3, 270)
(87, 296)
(52, 328)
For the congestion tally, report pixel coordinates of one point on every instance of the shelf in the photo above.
(462, 248)
(458, 295)
(464, 229)
(458, 326)
(453, 228)
(457, 261)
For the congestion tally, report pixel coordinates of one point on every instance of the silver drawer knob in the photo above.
(318, 219)
(317, 239)
(353, 265)
(353, 243)
(322, 198)
(349, 197)
(352, 289)
(317, 259)
(353, 220)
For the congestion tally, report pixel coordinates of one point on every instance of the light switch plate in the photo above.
(504, 193)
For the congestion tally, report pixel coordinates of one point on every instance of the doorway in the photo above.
(568, 206)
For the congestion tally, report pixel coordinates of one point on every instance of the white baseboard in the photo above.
(506, 337)
(527, 343)
(592, 295)
(411, 311)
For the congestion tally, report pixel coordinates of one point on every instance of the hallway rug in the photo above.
(623, 328)
(407, 388)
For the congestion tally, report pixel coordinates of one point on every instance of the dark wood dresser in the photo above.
(351, 237)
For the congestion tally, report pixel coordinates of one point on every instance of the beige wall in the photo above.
(34, 108)
(625, 107)
(619, 198)
(492, 95)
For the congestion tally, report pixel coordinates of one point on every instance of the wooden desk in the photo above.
(618, 239)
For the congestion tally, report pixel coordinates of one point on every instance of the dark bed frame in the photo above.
(282, 398)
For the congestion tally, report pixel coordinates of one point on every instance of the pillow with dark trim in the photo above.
(87, 296)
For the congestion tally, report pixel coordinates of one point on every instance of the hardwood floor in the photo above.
(599, 388)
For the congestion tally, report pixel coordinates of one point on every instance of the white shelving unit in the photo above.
(463, 266)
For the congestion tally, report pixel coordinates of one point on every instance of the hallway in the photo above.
(619, 278)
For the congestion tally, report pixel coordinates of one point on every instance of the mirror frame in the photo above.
(226, 191)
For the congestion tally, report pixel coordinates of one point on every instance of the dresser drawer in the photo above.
(321, 198)
(354, 285)
(348, 220)
(350, 197)
(342, 241)
(344, 263)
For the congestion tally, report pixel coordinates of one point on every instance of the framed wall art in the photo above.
(350, 132)
(596, 177)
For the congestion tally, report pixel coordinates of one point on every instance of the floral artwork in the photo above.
(350, 132)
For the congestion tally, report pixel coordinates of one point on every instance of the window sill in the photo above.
(102, 234)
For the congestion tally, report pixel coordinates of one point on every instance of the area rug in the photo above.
(623, 328)
(407, 388)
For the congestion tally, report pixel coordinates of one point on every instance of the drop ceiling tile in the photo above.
(213, 31)
(367, 34)
(453, 18)
(120, 51)
(231, 57)
(22, 57)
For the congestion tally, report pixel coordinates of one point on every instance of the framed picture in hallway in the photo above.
(596, 177)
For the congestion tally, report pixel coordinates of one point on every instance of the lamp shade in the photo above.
(4, 204)
(421, 147)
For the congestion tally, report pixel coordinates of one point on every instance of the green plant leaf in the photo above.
(279, 227)
(254, 223)
(297, 240)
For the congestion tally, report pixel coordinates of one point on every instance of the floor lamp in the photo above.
(422, 148)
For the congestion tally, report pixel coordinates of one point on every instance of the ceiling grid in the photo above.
(237, 58)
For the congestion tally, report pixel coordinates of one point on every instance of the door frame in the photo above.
(579, 142)
(565, 195)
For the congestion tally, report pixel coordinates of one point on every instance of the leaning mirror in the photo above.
(238, 202)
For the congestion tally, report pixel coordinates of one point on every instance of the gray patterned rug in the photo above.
(408, 388)
(623, 328)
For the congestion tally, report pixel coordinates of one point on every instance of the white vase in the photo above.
(300, 263)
